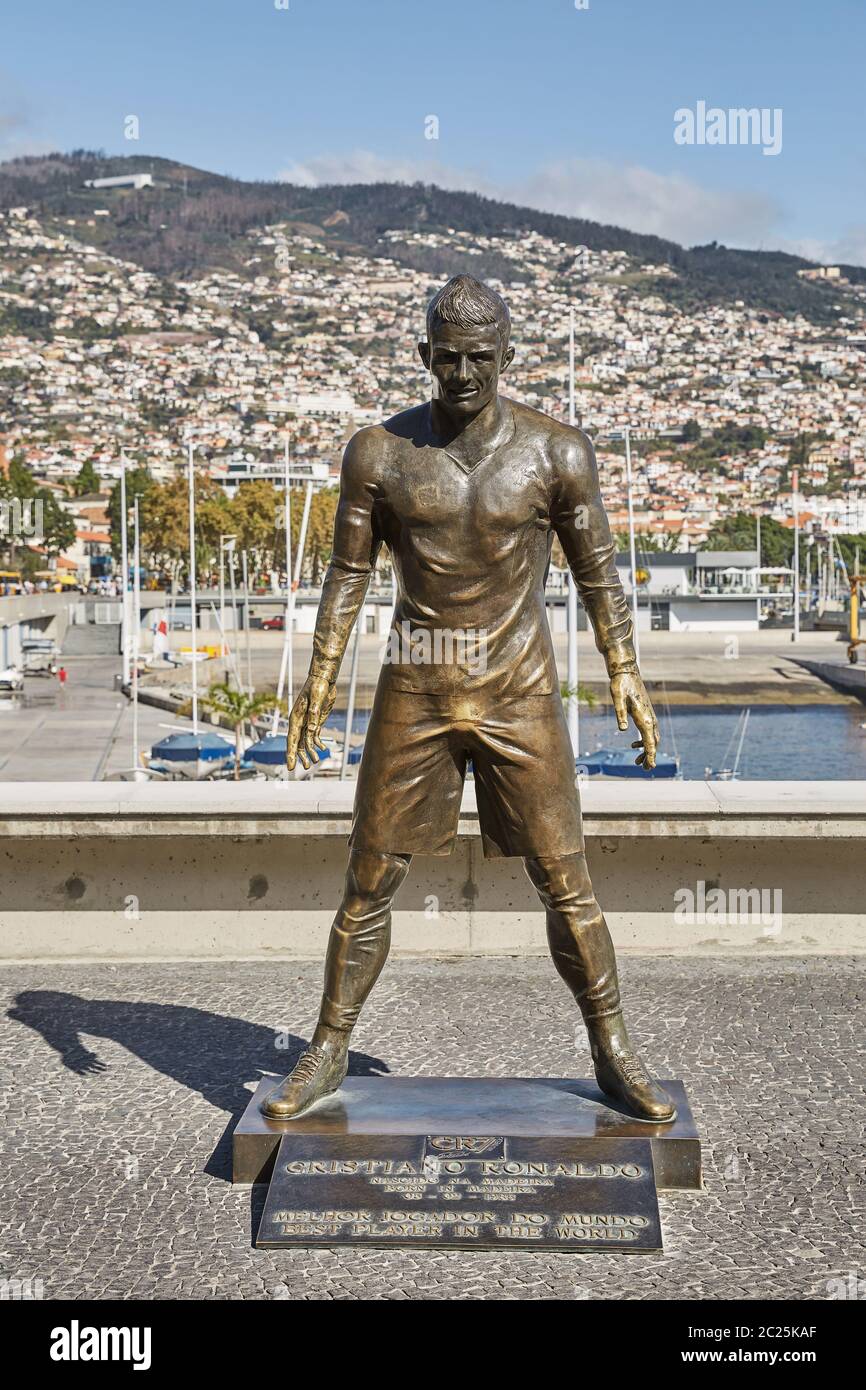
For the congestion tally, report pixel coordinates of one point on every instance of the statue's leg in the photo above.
(583, 953)
(357, 950)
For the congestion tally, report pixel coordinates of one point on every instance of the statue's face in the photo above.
(466, 363)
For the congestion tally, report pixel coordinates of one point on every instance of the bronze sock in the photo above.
(577, 934)
(359, 941)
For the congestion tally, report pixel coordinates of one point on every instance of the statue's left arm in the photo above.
(580, 522)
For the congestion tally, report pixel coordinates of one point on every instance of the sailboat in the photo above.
(621, 762)
(194, 754)
(730, 771)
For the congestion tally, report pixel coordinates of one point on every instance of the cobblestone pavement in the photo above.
(120, 1084)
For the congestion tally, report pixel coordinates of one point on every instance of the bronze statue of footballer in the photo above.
(467, 492)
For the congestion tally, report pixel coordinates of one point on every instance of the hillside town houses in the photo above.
(307, 341)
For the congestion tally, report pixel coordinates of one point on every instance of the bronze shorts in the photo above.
(410, 783)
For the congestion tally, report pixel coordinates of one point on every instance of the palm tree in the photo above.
(585, 696)
(237, 708)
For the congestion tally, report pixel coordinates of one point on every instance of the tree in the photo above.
(16, 488)
(58, 527)
(257, 513)
(849, 546)
(320, 533)
(691, 432)
(237, 708)
(585, 696)
(320, 526)
(164, 518)
(740, 532)
(88, 480)
(798, 454)
(214, 517)
(649, 542)
(21, 482)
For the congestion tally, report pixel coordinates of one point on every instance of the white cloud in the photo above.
(362, 166)
(15, 139)
(667, 205)
(641, 200)
(17, 148)
(849, 249)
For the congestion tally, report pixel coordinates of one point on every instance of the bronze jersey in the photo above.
(470, 546)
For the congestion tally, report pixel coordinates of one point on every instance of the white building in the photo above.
(699, 591)
(122, 181)
(325, 403)
(241, 469)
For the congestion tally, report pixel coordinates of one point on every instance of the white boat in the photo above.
(191, 756)
(11, 681)
(40, 656)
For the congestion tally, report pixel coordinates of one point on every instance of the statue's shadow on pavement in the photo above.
(205, 1052)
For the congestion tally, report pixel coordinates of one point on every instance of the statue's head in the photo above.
(466, 349)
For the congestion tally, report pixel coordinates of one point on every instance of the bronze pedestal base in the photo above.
(528, 1107)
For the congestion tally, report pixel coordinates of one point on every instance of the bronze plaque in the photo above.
(462, 1191)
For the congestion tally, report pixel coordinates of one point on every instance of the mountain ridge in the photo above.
(192, 219)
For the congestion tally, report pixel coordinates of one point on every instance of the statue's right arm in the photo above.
(353, 557)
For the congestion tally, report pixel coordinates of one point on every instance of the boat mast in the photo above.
(286, 675)
(758, 570)
(302, 537)
(745, 720)
(246, 579)
(192, 589)
(136, 631)
(795, 502)
(124, 570)
(350, 707)
(631, 544)
(571, 600)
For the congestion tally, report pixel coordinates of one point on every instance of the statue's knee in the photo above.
(374, 877)
(561, 881)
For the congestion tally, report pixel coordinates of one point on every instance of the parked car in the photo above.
(276, 624)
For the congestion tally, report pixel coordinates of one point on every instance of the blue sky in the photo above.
(566, 109)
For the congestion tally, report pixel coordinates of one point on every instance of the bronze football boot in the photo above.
(319, 1072)
(622, 1075)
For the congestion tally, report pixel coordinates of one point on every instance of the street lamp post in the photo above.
(227, 541)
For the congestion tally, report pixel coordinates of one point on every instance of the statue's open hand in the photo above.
(630, 698)
(309, 712)
(83, 1062)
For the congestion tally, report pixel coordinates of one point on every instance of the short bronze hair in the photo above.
(467, 303)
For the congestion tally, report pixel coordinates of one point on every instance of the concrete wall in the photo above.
(693, 614)
(36, 615)
(154, 871)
